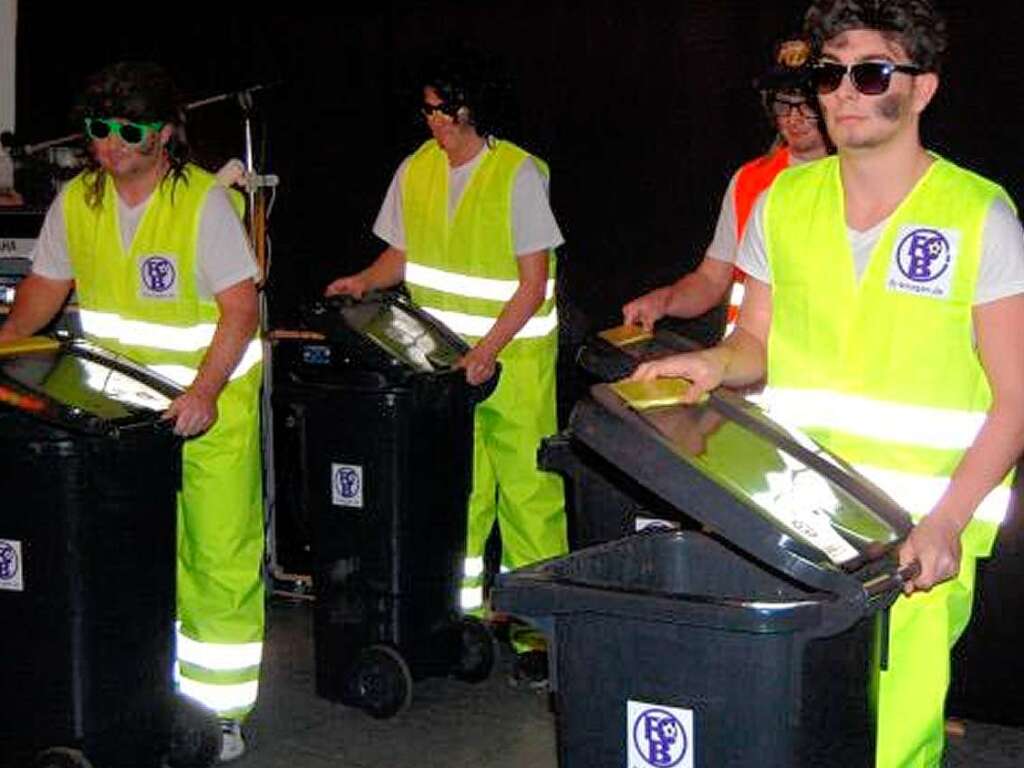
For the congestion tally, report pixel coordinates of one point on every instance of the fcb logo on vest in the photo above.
(158, 277)
(923, 260)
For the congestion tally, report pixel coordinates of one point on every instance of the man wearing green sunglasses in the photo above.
(164, 274)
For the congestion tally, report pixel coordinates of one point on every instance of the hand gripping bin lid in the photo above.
(89, 475)
(380, 340)
(756, 639)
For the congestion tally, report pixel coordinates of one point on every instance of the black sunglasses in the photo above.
(446, 108)
(869, 77)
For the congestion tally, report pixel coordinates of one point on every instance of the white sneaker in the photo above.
(232, 743)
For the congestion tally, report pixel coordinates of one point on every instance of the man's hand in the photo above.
(192, 413)
(935, 544)
(648, 309)
(479, 364)
(352, 285)
(705, 370)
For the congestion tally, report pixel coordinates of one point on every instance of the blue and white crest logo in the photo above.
(923, 255)
(159, 277)
(346, 485)
(924, 261)
(11, 576)
(659, 737)
(8, 562)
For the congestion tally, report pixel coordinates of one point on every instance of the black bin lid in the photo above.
(385, 330)
(770, 491)
(78, 386)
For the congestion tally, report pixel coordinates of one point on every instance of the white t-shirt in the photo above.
(1000, 273)
(223, 254)
(533, 224)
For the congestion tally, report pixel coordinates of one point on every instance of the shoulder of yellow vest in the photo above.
(503, 147)
(426, 147)
(516, 155)
(200, 175)
(985, 188)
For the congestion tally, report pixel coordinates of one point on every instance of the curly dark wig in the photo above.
(141, 91)
(464, 77)
(914, 24)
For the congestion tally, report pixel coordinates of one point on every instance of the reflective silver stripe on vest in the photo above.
(465, 285)
(943, 428)
(479, 325)
(183, 375)
(919, 494)
(220, 657)
(140, 333)
(220, 698)
(736, 294)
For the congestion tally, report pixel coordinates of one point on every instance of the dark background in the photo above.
(643, 111)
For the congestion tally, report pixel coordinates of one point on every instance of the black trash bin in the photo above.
(87, 558)
(752, 642)
(376, 429)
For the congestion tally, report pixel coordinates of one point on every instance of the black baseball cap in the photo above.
(791, 67)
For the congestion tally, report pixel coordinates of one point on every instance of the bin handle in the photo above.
(883, 584)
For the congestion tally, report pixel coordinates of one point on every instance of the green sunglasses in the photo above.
(129, 132)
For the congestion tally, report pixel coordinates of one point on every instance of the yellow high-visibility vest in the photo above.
(883, 371)
(463, 271)
(144, 302)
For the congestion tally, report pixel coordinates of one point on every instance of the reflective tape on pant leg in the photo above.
(473, 567)
(471, 598)
(220, 657)
(220, 698)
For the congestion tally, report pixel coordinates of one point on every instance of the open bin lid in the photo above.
(385, 330)
(78, 386)
(769, 490)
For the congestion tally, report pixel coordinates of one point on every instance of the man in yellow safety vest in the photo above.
(470, 231)
(160, 261)
(886, 317)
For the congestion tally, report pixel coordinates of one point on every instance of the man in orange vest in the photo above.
(784, 91)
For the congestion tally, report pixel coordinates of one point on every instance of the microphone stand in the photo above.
(255, 183)
(256, 224)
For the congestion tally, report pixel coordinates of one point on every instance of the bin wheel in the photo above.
(476, 659)
(380, 681)
(61, 757)
(195, 735)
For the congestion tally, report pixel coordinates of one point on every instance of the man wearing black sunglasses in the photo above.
(470, 230)
(163, 272)
(887, 319)
(788, 102)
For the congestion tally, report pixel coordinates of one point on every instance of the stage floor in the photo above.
(450, 724)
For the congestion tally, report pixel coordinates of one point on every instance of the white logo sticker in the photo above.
(924, 261)
(11, 574)
(658, 736)
(347, 485)
(158, 276)
(655, 524)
